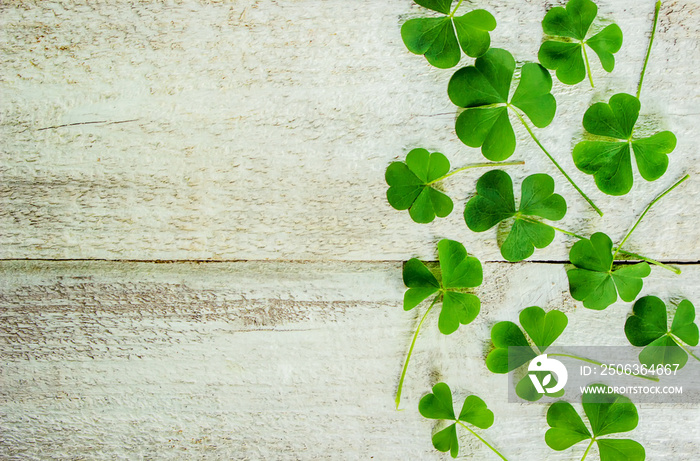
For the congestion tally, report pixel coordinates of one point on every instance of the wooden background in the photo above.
(197, 256)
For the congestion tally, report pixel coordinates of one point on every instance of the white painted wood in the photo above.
(264, 360)
(262, 129)
(253, 130)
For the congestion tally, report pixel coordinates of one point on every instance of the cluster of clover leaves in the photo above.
(482, 92)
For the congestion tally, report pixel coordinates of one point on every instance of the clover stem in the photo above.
(452, 15)
(681, 344)
(475, 165)
(651, 42)
(410, 351)
(590, 202)
(595, 362)
(580, 237)
(588, 65)
(588, 449)
(624, 252)
(683, 179)
(484, 441)
(651, 261)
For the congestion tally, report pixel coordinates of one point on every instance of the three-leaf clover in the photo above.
(595, 281)
(543, 328)
(495, 202)
(664, 346)
(483, 90)
(459, 272)
(512, 349)
(411, 185)
(435, 37)
(565, 49)
(609, 159)
(438, 405)
(607, 413)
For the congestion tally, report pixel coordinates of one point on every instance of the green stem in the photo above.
(681, 344)
(647, 210)
(588, 65)
(651, 42)
(452, 15)
(484, 441)
(651, 261)
(410, 351)
(475, 165)
(595, 362)
(588, 449)
(590, 202)
(624, 252)
(534, 221)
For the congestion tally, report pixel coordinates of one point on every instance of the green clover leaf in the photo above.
(647, 327)
(438, 405)
(435, 37)
(565, 50)
(542, 328)
(442, 6)
(483, 90)
(494, 202)
(505, 335)
(609, 159)
(459, 272)
(411, 185)
(607, 413)
(526, 390)
(595, 281)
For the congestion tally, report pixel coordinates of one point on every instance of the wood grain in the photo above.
(251, 130)
(264, 360)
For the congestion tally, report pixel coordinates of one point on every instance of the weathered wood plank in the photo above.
(262, 129)
(272, 361)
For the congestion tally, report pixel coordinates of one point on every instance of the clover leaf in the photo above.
(459, 272)
(663, 345)
(411, 185)
(483, 90)
(543, 328)
(435, 37)
(609, 159)
(512, 350)
(595, 281)
(607, 413)
(565, 49)
(494, 202)
(456, 274)
(438, 405)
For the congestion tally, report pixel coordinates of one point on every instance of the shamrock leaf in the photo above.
(542, 328)
(525, 389)
(411, 185)
(438, 405)
(435, 37)
(609, 159)
(565, 50)
(595, 281)
(512, 349)
(494, 202)
(607, 413)
(504, 336)
(648, 327)
(483, 90)
(459, 272)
